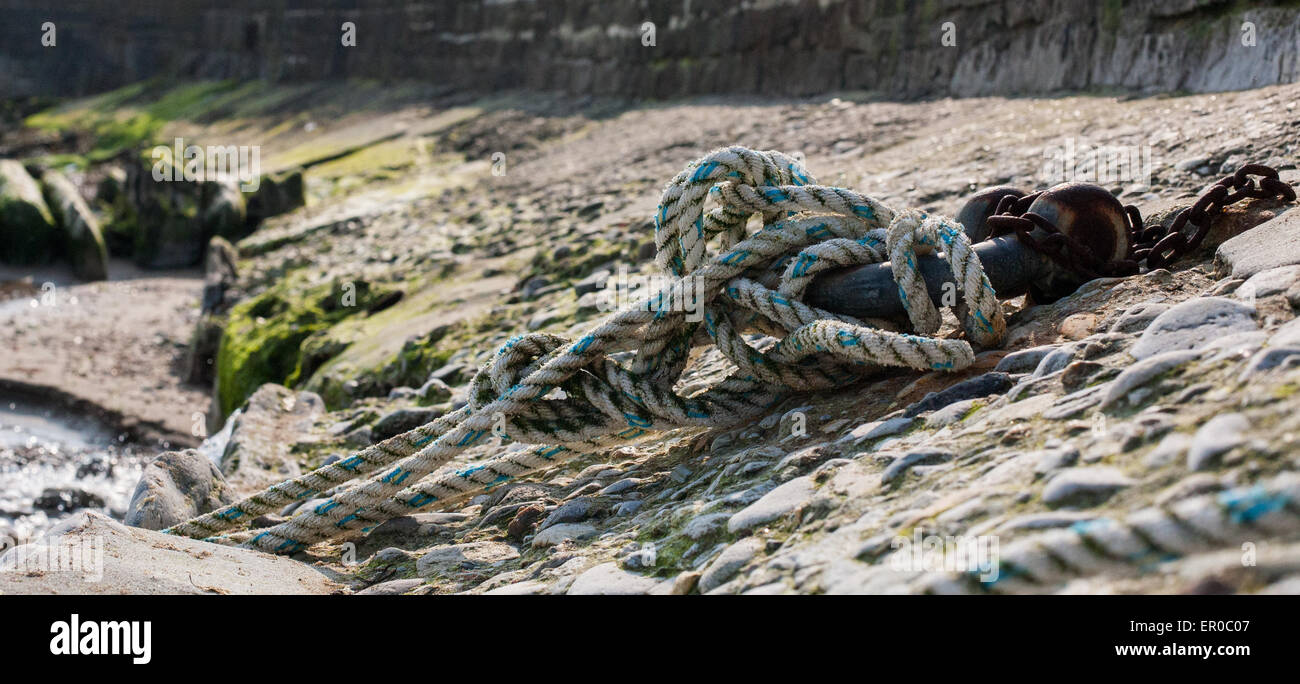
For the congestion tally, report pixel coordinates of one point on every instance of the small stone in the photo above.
(1055, 459)
(391, 587)
(433, 391)
(443, 560)
(729, 562)
(1079, 374)
(1286, 336)
(1267, 359)
(524, 521)
(914, 458)
(1078, 326)
(1142, 372)
(773, 505)
(877, 429)
(1169, 450)
(705, 525)
(620, 486)
(1084, 486)
(66, 499)
(591, 283)
(951, 413)
(544, 318)
(525, 588)
(573, 510)
(1057, 359)
(451, 373)
(974, 388)
(680, 474)
(1138, 317)
(1023, 361)
(1238, 344)
(607, 579)
(403, 420)
(1192, 324)
(1217, 435)
(628, 507)
(556, 534)
(684, 583)
(1268, 283)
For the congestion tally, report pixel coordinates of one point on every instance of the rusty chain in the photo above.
(1154, 247)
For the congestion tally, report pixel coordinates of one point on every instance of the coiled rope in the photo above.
(807, 229)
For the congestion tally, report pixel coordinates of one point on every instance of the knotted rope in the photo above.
(806, 229)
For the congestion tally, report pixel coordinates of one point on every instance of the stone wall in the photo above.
(772, 47)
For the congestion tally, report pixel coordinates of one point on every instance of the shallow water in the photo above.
(54, 463)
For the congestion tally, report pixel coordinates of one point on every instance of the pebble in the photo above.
(1142, 372)
(914, 458)
(1023, 361)
(525, 588)
(1217, 435)
(1078, 326)
(402, 420)
(591, 283)
(1268, 283)
(1138, 317)
(876, 429)
(558, 533)
(1075, 403)
(951, 413)
(980, 386)
(620, 486)
(1169, 450)
(1267, 359)
(1084, 485)
(705, 525)
(442, 560)
(391, 587)
(773, 505)
(1055, 459)
(1287, 335)
(1192, 324)
(608, 579)
(1239, 344)
(628, 508)
(1079, 374)
(1057, 359)
(729, 562)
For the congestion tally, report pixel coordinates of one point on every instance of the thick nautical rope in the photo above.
(1141, 540)
(806, 229)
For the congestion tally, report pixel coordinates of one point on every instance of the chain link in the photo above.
(1153, 247)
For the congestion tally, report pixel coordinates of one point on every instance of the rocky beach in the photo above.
(170, 347)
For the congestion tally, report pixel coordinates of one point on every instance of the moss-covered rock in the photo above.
(265, 339)
(224, 211)
(80, 237)
(163, 217)
(27, 229)
(276, 194)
